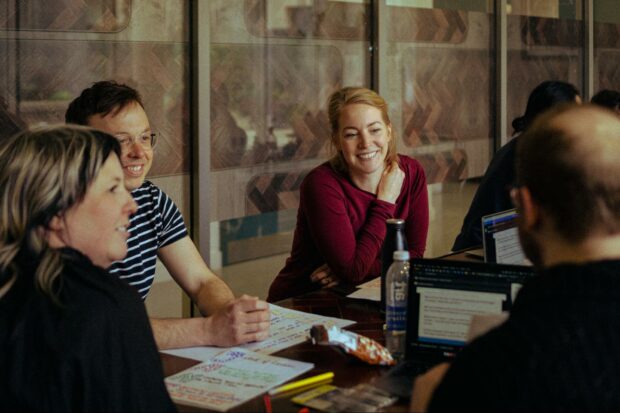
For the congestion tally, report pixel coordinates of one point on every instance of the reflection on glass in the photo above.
(606, 45)
(273, 64)
(545, 42)
(60, 15)
(439, 71)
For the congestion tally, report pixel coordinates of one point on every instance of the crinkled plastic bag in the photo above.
(364, 348)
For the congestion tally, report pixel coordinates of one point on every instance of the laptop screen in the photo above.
(500, 239)
(444, 295)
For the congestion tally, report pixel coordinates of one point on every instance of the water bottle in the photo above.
(394, 240)
(396, 304)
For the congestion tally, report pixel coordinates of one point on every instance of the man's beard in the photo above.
(531, 247)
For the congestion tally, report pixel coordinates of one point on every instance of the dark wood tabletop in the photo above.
(347, 371)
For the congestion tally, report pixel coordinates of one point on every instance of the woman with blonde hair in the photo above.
(344, 202)
(72, 338)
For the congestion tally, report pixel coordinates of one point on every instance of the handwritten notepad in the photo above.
(288, 327)
(232, 378)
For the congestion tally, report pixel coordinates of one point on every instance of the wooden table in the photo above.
(348, 371)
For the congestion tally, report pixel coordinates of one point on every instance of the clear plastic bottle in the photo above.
(396, 304)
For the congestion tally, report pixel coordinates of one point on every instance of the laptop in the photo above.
(500, 239)
(443, 296)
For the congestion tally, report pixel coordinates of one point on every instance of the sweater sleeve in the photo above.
(416, 222)
(351, 256)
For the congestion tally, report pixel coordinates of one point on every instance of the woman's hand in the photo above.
(325, 277)
(391, 183)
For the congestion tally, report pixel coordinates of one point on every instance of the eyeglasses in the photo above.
(146, 140)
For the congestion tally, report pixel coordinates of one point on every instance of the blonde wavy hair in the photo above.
(349, 96)
(43, 172)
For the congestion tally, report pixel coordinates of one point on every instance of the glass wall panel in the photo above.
(606, 45)
(50, 51)
(439, 81)
(545, 42)
(273, 65)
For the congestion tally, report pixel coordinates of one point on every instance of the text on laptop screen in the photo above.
(445, 295)
(501, 238)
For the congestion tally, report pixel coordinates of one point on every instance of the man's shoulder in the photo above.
(150, 197)
(147, 190)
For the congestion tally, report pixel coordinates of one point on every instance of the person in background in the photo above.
(608, 99)
(344, 202)
(558, 350)
(158, 230)
(493, 194)
(72, 338)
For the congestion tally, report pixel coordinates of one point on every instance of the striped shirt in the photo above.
(156, 223)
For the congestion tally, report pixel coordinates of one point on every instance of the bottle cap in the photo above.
(395, 221)
(401, 255)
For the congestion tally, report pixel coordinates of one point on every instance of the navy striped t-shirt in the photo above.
(156, 223)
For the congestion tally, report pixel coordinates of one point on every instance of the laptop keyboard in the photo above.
(399, 379)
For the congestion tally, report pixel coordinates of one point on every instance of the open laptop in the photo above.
(443, 296)
(500, 239)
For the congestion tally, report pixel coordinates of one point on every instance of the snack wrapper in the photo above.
(364, 348)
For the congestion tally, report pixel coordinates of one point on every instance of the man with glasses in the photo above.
(157, 229)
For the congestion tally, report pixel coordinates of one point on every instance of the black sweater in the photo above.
(93, 353)
(558, 351)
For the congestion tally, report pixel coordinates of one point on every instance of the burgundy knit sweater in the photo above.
(342, 226)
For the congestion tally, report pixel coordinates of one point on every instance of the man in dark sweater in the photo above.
(558, 351)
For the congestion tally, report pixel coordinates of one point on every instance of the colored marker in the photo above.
(302, 383)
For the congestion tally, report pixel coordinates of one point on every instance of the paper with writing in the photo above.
(370, 290)
(232, 378)
(288, 327)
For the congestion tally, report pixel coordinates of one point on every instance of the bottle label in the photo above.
(396, 318)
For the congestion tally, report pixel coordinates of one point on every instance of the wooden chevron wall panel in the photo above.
(252, 124)
(159, 71)
(274, 191)
(446, 95)
(319, 20)
(607, 35)
(408, 24)
(66, 15)
(608, 69)
(551, 32)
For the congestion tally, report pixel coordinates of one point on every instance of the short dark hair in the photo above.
(101, 98)
(544, 96)
(568, 173)
(607, 98)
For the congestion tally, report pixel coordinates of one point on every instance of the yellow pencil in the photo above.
(301, 383)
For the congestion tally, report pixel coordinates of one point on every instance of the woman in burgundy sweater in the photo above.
(344, 202)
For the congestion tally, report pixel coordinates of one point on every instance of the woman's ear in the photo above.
(56, 223)
(54, 232)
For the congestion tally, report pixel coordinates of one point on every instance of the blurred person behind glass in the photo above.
(72, 337)
(608, 99)
(493, 194)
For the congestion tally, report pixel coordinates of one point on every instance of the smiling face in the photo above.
(363, 138)
(129, 122)
(97, 226)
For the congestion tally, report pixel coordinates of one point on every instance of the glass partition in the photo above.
(439, 80)
(545, 42)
